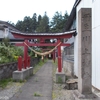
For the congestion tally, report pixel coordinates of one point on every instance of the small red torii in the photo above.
(43, 36)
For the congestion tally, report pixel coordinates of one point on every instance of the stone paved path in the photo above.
(38, 87)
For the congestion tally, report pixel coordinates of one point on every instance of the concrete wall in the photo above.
(68, 65)
(68, 59)
(7, 69)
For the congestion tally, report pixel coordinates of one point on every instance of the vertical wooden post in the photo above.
(19, 63)
(59, 58)
(28, 61)
(25, 54)
(54, 56)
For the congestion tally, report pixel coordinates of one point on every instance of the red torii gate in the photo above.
(43, 36)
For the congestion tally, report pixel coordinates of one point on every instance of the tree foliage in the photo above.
(43, 24)
(58, 22)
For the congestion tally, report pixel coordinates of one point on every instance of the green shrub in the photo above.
(9, 53)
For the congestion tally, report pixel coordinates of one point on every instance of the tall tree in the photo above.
(39, 19)
(43, 24)
(58, 22)
(27, 25)
(65, 18)
(34, 23)
(19, 25)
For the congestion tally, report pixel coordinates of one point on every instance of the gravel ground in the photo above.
(10, 90)
(59, 92)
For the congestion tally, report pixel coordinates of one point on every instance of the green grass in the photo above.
(39, 65)
(54, 95)
(4, 82)
(37, 94)
(59, 80)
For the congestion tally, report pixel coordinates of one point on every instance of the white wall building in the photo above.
(95, 5)
(72, 66)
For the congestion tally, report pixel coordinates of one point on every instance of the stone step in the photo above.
(71, 84)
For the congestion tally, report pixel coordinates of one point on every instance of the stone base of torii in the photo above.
(23, 74)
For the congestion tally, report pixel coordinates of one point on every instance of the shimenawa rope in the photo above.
(44, 53)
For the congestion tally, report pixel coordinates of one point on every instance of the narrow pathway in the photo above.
(38, 87)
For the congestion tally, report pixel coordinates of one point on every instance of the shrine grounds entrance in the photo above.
(42, 37)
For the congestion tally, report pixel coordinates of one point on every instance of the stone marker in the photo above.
(84, 56)
(84, 51)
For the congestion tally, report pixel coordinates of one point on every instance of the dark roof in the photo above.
(1, 28)
(77, 2)
(45, 34)
(71, 18)
(8, 25)
(72, 15)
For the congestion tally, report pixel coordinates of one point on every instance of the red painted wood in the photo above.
(25, 54)
(42, 40)
(59, 59)
(19, 63)
(28, 61)
(19, 44)
(42, 44)
(42, 36)
(54, 56)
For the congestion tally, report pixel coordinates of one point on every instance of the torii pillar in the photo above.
(60, 74)
(25, 54)
(59, 58)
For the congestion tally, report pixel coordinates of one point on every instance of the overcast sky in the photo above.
(14, 10)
